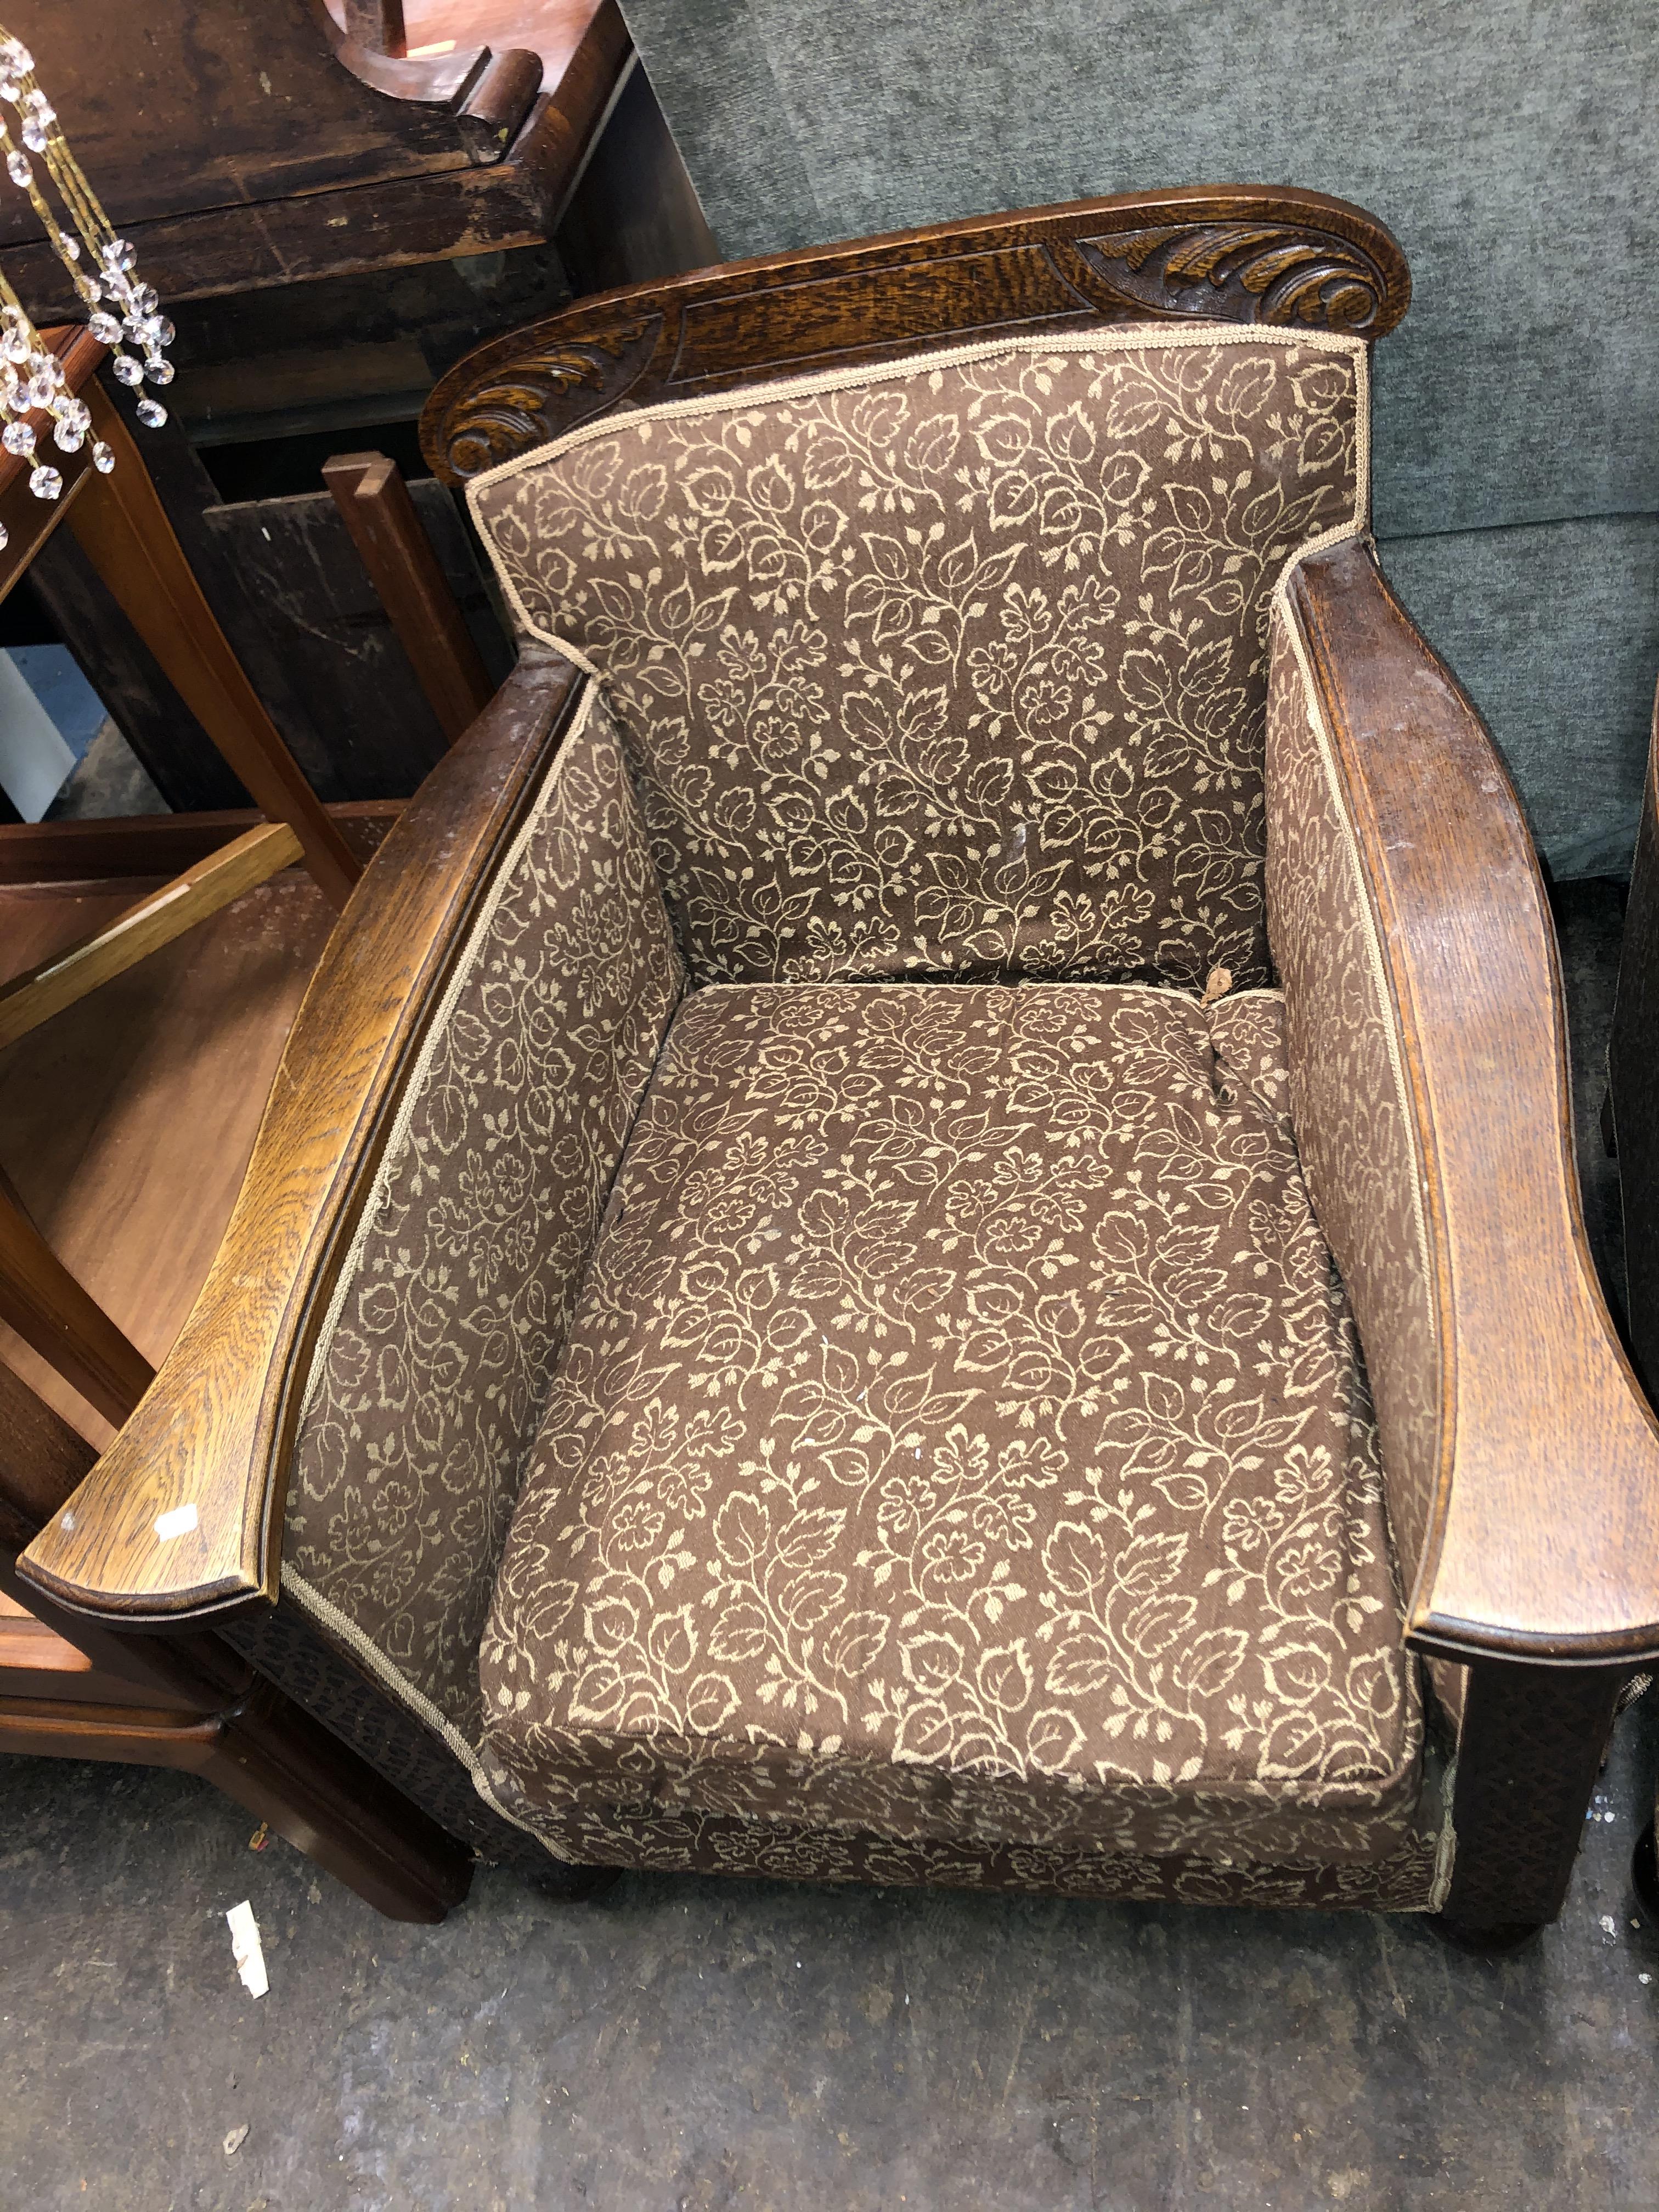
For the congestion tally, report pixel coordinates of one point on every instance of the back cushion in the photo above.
(956, 665)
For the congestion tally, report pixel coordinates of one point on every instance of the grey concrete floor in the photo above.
(698, 2044)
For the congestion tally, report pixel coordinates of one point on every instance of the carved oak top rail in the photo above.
(1241, 253)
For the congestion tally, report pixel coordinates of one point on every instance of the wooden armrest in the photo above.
(1544, 1537)
(182, 1517)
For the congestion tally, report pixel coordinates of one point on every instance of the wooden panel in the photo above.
(150, 922)
(127, 1121)
(1240, 253)
(322, 625)
(216, 1431)
(86, 852)
(235, 150)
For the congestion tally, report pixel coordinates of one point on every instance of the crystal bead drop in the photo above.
(151, 414)
(41, 390)
(68, 247)
(102, 459)
(15, 345)
(17, 438)
(68, 437)
(34, 134)
(105, 329)
(5, 535)
(46, 483)
(16, 56)
(18, 168)
(127, 369)
(158, 369)
(9, 88)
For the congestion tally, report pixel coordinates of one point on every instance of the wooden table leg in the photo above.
(121, 528)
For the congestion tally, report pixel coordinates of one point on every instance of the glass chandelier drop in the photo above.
(125, 314)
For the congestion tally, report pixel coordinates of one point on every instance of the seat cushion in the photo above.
(961, 1435)
(953, 664)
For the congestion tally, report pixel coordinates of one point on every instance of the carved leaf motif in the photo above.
(1247, 273)
(544, 392)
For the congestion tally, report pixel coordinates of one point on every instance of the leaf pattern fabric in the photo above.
(429, 1384)
(1413, 1878)
(956, 666)
(961, 1437)
(1348, 1099)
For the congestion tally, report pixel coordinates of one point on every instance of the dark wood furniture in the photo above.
(1542, 1568)
(260, 143)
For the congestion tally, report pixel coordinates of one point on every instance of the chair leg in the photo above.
(288, 1770)
(1532, 1745)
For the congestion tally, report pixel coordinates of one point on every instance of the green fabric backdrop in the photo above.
(1511, 145)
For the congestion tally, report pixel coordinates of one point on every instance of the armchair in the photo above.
(921, 1226)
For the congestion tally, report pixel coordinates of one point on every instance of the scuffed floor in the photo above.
(694, 2044)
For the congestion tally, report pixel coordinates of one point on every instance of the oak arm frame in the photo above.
(1543, 1542)
(211, 1445)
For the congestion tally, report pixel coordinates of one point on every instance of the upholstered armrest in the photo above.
(1429, 1086)
(181, 1518)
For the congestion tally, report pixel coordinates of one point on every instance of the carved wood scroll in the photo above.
(1228, 254)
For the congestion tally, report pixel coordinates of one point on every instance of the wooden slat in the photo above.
(42, 1301)
(374, 501)
(155, 921)
(123, 529)
(159, 844)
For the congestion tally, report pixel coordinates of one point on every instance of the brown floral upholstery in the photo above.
(429, 1381)
(955, 665)
(961, 1439)
(1349, 1104)
(1412, 1879)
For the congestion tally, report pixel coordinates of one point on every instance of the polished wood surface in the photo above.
(127, 1121)
(216, 1432)
(1545, 1539)
(150, 922)
(1237, 253)
(374, 502)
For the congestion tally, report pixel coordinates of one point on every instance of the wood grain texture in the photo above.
(1240, 253)
(216, 1431)
(1633, 1070)
(1544, 1543)
(143, 928)
(374, 501)
(127, 1121)
(123, 529)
